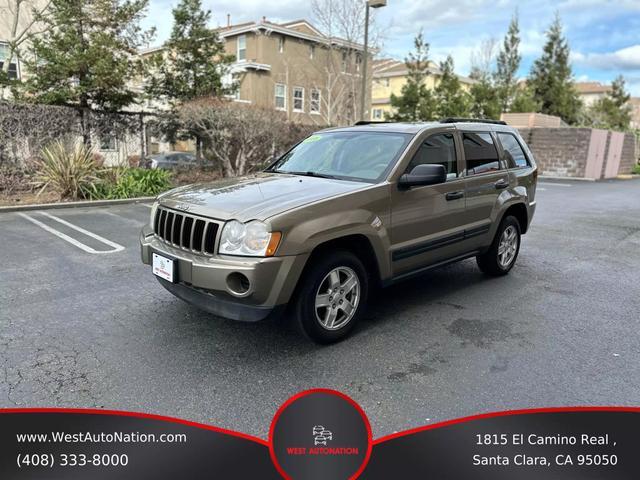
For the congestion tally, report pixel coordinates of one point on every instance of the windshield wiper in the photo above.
(306, 174)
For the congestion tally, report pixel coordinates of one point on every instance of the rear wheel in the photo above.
(502, 255)
(332, 296)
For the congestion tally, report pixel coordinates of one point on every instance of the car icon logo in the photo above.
(321, 435)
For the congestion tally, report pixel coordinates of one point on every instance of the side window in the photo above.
(480, 153)
(513, 150)
(438, 149)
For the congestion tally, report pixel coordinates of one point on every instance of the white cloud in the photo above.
(625, 59)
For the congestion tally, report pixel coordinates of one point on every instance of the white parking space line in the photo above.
(147, 205)
(541, 189)
(73, 241)
(549, 184)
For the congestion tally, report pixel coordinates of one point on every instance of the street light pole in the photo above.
(365, 61)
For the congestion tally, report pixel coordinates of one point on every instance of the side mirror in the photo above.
(430, 174)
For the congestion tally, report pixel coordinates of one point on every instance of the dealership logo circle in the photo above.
(320, 434)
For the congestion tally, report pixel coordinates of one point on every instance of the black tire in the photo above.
(489, 261)
(315, 276)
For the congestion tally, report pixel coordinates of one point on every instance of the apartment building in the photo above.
(591, 92)
(294, 68)
(389, 76)
(16, 22)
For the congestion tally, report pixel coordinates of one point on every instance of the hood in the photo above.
(256, 197)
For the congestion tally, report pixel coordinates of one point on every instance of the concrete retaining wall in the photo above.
(581, 152)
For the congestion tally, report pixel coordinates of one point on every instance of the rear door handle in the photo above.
(501, 184)
(454, 196)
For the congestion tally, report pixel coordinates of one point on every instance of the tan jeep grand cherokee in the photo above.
(344, 211)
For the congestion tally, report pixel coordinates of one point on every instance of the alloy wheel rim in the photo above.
(337, 298)
(508, 246)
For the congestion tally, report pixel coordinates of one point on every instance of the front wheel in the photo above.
(332, 297)
(502, 255)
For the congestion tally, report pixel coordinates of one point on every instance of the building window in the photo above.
(377, 114)
(316, 101)
(344, 62)
(281, 96)
(312, 51)
(387, 82)
(298, 99)
(358, 62)
(107, 142)
(4, 57)
(242, 48)
(281, 44)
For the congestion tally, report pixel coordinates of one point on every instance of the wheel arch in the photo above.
(358, 244)
(519, 211)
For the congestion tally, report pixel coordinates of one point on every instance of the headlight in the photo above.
(251, 239)
(152, 218)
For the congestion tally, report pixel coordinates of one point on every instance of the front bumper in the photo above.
(203, 281)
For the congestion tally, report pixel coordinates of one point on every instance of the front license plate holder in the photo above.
(165, 268)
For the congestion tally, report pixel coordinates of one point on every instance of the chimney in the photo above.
(228, 19)
(264, 19)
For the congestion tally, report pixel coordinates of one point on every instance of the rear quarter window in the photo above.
(513, 150)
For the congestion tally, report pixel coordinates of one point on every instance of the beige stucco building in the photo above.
(591, 92)
(294, 68)
(16, 20)
(389, 76)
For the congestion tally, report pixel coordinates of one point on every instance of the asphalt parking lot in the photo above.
(90, 327)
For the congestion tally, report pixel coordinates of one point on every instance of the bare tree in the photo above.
(482, 60)
(22, 17)
(343, 23)
(239, 137)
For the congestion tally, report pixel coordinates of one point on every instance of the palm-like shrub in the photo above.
(69, 169)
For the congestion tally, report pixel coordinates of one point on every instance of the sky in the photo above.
(604, 36)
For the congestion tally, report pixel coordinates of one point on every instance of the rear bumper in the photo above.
(532, 211)
(204, 281)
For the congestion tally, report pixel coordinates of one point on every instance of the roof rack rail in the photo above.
(472, 120)
(367, 122)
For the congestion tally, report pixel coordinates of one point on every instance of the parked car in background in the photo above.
(169, 160)
(345, 210)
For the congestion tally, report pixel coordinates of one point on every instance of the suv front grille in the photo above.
(188, 232)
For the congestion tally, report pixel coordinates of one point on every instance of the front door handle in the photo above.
(501, 184)
(454, 196)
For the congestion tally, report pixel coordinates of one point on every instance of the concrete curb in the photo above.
(85, 203)
(580, 179)
(566, 179)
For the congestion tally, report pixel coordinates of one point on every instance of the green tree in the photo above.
(451, 100)
(613, 111)
(551, 78)
(192, 65)
(507, 65)
(524, 101)
(415, 102)
(86, 55)
(484, 102)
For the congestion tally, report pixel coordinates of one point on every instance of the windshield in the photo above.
(360, 156)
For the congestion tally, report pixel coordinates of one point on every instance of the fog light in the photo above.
(238, 284)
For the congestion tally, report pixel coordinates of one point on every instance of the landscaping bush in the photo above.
(636, 169)
(131, 182)
(69, 169)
